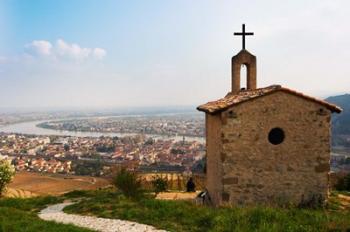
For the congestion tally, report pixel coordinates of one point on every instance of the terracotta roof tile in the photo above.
(245, 95)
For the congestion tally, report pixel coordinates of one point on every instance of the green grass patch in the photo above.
(79, 194)
(29, 204)
(185, 216)
(20, 215)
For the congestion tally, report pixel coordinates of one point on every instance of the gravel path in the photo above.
(55, 213)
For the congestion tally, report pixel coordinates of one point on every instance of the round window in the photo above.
(276, 136)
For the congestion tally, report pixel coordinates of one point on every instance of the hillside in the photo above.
(27, 184)
(18, 215)
(341, 122)
(185, 216)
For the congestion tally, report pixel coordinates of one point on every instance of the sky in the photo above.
(101, 53)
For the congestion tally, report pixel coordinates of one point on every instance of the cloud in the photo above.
(64, 50)
(73, 51)
(99, 53)
(40, 47)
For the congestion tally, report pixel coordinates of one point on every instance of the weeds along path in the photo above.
(55, 213)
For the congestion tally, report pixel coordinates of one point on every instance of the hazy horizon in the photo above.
(114, 54)
(101, 110)
(111, 109)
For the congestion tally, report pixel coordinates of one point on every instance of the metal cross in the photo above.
(243, 34)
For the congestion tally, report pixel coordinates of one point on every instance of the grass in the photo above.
(20, 215)
(185, 216)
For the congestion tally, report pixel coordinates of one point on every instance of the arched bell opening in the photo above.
(243, 77)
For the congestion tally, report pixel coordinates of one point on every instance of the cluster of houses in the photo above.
(57, 154)
(42, 165)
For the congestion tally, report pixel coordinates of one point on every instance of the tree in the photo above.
(66, 147)
(7, 171)
(159, 184)
(129, 184)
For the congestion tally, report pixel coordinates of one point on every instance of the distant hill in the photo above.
(341, 122)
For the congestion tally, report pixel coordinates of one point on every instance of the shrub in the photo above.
(7, 171)
(79, 194)
(128, 183)
(343, 183)
(159, 184)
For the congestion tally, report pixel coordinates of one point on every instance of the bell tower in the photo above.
(243, 58)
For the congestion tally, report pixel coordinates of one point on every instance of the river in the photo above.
(31, 129)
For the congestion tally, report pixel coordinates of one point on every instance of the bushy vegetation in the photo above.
(105, 148)
(7, 171)
(79, 194)
(19, 215)
(185, 216)
(129, 184)
(159, 184)
(89, 168)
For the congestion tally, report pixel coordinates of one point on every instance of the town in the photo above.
(97, 156)
(340, 161)
(170, 125)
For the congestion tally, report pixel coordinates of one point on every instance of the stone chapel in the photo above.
(266, 145)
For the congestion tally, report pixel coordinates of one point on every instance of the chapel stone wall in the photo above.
(214, 165)
(255, 171)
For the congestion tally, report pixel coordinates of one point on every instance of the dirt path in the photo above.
(177, 195)
(55, 213)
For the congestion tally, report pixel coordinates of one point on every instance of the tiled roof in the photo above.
(246, 95)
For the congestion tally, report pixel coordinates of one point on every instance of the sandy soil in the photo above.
(26, 184)
(344, 201)
(177, 195)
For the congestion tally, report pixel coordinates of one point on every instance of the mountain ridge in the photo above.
(341, 122)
